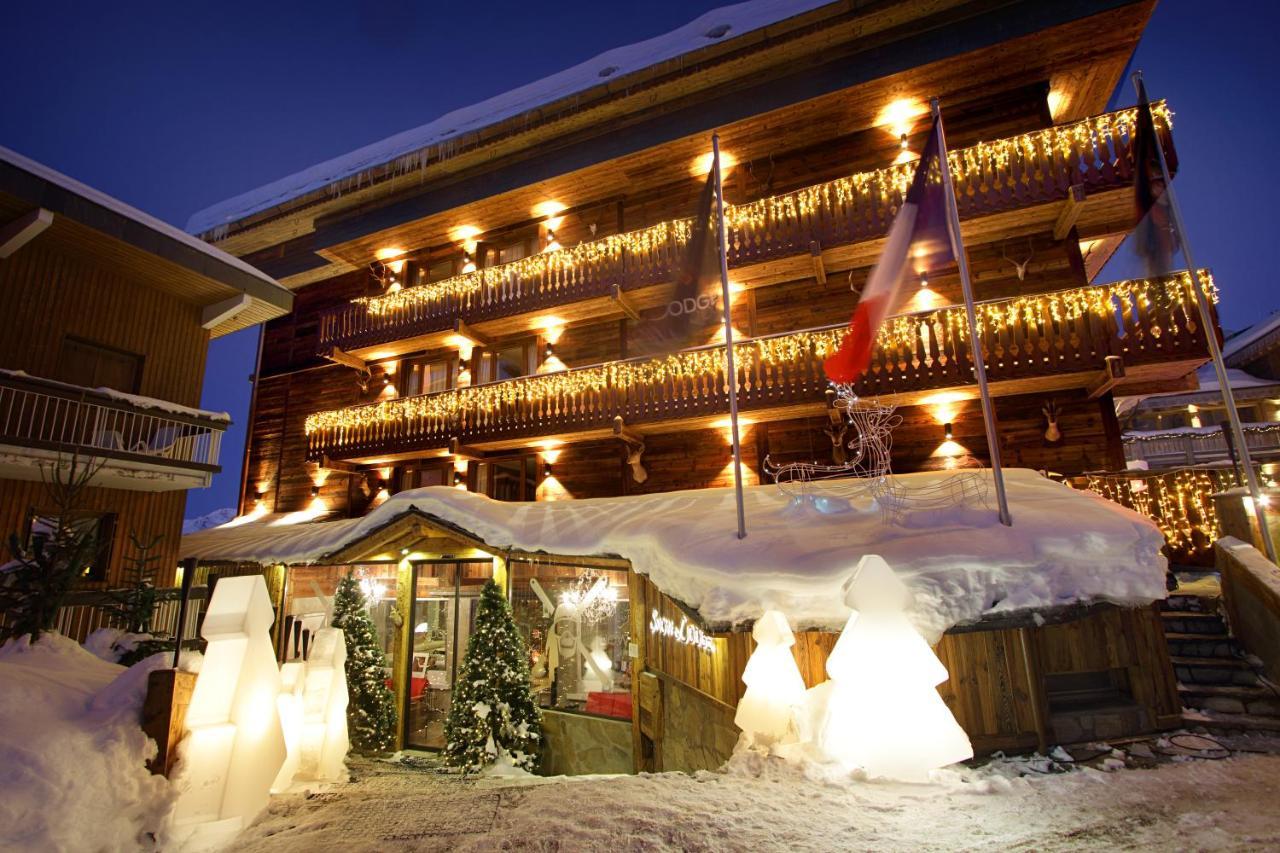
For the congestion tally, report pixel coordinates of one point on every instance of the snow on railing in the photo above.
(1190, 447)
(990, 177)
(1062, 332)
(51, 416)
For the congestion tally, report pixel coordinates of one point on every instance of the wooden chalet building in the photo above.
(467, 294)
(108, 315)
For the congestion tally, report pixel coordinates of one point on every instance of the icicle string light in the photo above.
(1088, 138)
(707, 364)
(1179, 502)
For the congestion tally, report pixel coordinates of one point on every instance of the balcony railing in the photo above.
(45, 420)
(1194, 446)
(1142, 321)
(991, 177)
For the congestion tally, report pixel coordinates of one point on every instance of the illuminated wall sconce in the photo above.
(546, 469)
(902, 142)
(947, 432)
(924, 280)
(315, 491)
(459, 477)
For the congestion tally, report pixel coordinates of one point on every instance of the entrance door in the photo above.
(444, 606)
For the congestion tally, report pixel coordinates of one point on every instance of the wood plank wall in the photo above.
(46, 295)
(988, 691)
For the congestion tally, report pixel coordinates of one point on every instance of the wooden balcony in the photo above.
(1097, 337)
(139, 444)
(770, 240)
(1182, 447)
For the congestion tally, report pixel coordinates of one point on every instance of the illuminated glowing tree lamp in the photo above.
(235, 745)
(775, 688)
(313, 711)
(882, 712)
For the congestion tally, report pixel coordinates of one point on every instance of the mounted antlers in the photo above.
(1020, 266)
(634, 445)
(1051, 433)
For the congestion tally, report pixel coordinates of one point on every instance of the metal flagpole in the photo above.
(728, 335)
(975, 346)
(1215, 351)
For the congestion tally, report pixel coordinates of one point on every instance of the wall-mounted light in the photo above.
(924, 280)
(546, 469)
(947, 432)
(315, 491)
(902, 142)
(459, 477)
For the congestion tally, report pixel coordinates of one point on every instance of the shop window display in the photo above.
(576, 622)
(308, 606)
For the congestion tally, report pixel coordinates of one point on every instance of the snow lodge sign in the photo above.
(685, 633)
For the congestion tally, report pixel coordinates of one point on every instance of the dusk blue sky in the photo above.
(174, 106)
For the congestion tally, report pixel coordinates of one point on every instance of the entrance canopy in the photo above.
(1065, 546)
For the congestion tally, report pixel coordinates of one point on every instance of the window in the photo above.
(91, 365)
(509, 251)
(426, 376)
(423, 474)
(99, 528)
(445, 598)
(577, 624)
(440, 270)
(508, 361)
(514, 479)
(308, 604)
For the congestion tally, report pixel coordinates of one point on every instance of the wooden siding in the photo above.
(46, 295)
(996, 688)
(147, 514)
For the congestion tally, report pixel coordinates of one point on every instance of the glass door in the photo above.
(444, 605)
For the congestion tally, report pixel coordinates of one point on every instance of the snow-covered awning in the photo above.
(1065, 546)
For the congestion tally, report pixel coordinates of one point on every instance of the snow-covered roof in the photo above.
(1250, 336)
(715, 27)
(1065, 546)
(116, 206)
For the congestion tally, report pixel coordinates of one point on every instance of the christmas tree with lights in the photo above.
(371, 712)
(493, 716)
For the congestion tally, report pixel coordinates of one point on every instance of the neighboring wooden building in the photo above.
(469, 292)
(107, 318)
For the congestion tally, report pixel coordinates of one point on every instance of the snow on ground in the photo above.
(212, 519)
(1065, 546)
(714, 27)
(72, 754)
(1200, 804)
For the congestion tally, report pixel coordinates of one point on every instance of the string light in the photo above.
(1179, 502)
(706, 366)
(1088, 138)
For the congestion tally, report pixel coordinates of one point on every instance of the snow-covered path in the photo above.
(1196, 805)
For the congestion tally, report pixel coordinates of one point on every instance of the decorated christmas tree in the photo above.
(493, 715)
(371, 711)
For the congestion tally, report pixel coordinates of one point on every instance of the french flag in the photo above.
(918, 242)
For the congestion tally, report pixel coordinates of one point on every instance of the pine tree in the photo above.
(371, 711)
(493, 709)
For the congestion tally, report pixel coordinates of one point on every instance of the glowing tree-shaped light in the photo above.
(313, 709)
(775, 687)
(235, 746)
(883, 713)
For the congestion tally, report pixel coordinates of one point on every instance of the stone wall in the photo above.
(697, 733)
(576, 743)
(1251, 592)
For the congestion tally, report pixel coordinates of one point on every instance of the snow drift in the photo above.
(1065, 546)
(72, 754)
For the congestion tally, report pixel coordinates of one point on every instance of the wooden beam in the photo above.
(1112, 374)
(819, 269)
(624, 303)
(462, 330)
(23, 230)
(339, 357)
(219, 312)
(464, 451)
(626, 433)
(337, 466)
(1070, 213)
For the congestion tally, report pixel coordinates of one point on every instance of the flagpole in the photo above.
(975, 345)
(1215, 351)
(728, 335)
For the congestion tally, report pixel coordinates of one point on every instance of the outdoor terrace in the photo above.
(1095, 337)
(1051, 179)
(140, 444)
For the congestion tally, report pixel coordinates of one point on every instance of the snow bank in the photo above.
(1065, 546)
(72, 755)
(714, 27)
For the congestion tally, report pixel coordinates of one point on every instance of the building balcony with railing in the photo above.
(1071, 176)
(1098, 337)
(135, 443)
